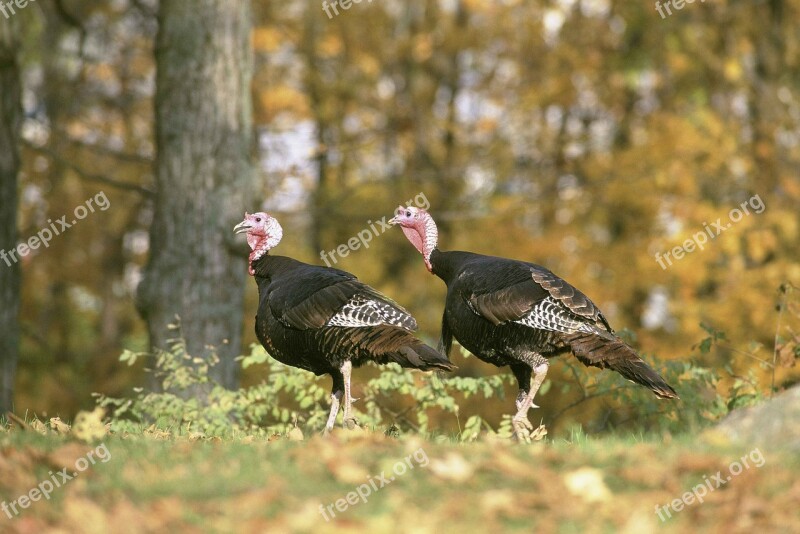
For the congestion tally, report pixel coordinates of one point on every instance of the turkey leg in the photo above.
(522, 426)
(336, 395)
(348, 421)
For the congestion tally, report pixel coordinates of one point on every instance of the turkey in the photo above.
(509, 312)
(324, 320)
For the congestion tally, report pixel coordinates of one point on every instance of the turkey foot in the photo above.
(351, 424)
(522, 429)
(336, 396)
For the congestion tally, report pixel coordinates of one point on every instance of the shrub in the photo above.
(192, 403)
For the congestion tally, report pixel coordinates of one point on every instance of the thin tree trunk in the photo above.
(204, 178)
(10, 121)
(321, 198)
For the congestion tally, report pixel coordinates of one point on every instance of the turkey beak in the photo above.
(394, 220)
(241, 228)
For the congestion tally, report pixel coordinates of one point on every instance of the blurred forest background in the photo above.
(583, 135)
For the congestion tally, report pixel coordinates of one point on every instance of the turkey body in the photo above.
(515, 313)
(316, 318)
(497, 342)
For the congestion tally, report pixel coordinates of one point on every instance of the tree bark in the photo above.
(10, 122)
(204, 178)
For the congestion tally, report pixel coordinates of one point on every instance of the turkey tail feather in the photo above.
(618, 356)
(420, 356)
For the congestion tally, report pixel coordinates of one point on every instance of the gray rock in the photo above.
(773, 424)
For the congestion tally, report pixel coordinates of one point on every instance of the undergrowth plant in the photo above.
(289, 397)
(192, 403)
(292, 397)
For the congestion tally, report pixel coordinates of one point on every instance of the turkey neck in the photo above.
(446, 265)
(268, 266)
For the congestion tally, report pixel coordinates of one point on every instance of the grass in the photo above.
(164, 471)
(156, 483)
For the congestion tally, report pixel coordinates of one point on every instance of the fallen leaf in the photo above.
(587, 482)
(196, 436)
(494, 501)
(295, 434)
(67, 455)
(89, 426)
(346, 470)
(453, 467)
(539, 433)
(59, 426)
(39, 427)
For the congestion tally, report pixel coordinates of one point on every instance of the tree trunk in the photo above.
(10, 121)
(204, 178)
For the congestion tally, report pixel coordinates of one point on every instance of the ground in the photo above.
(158, 483)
